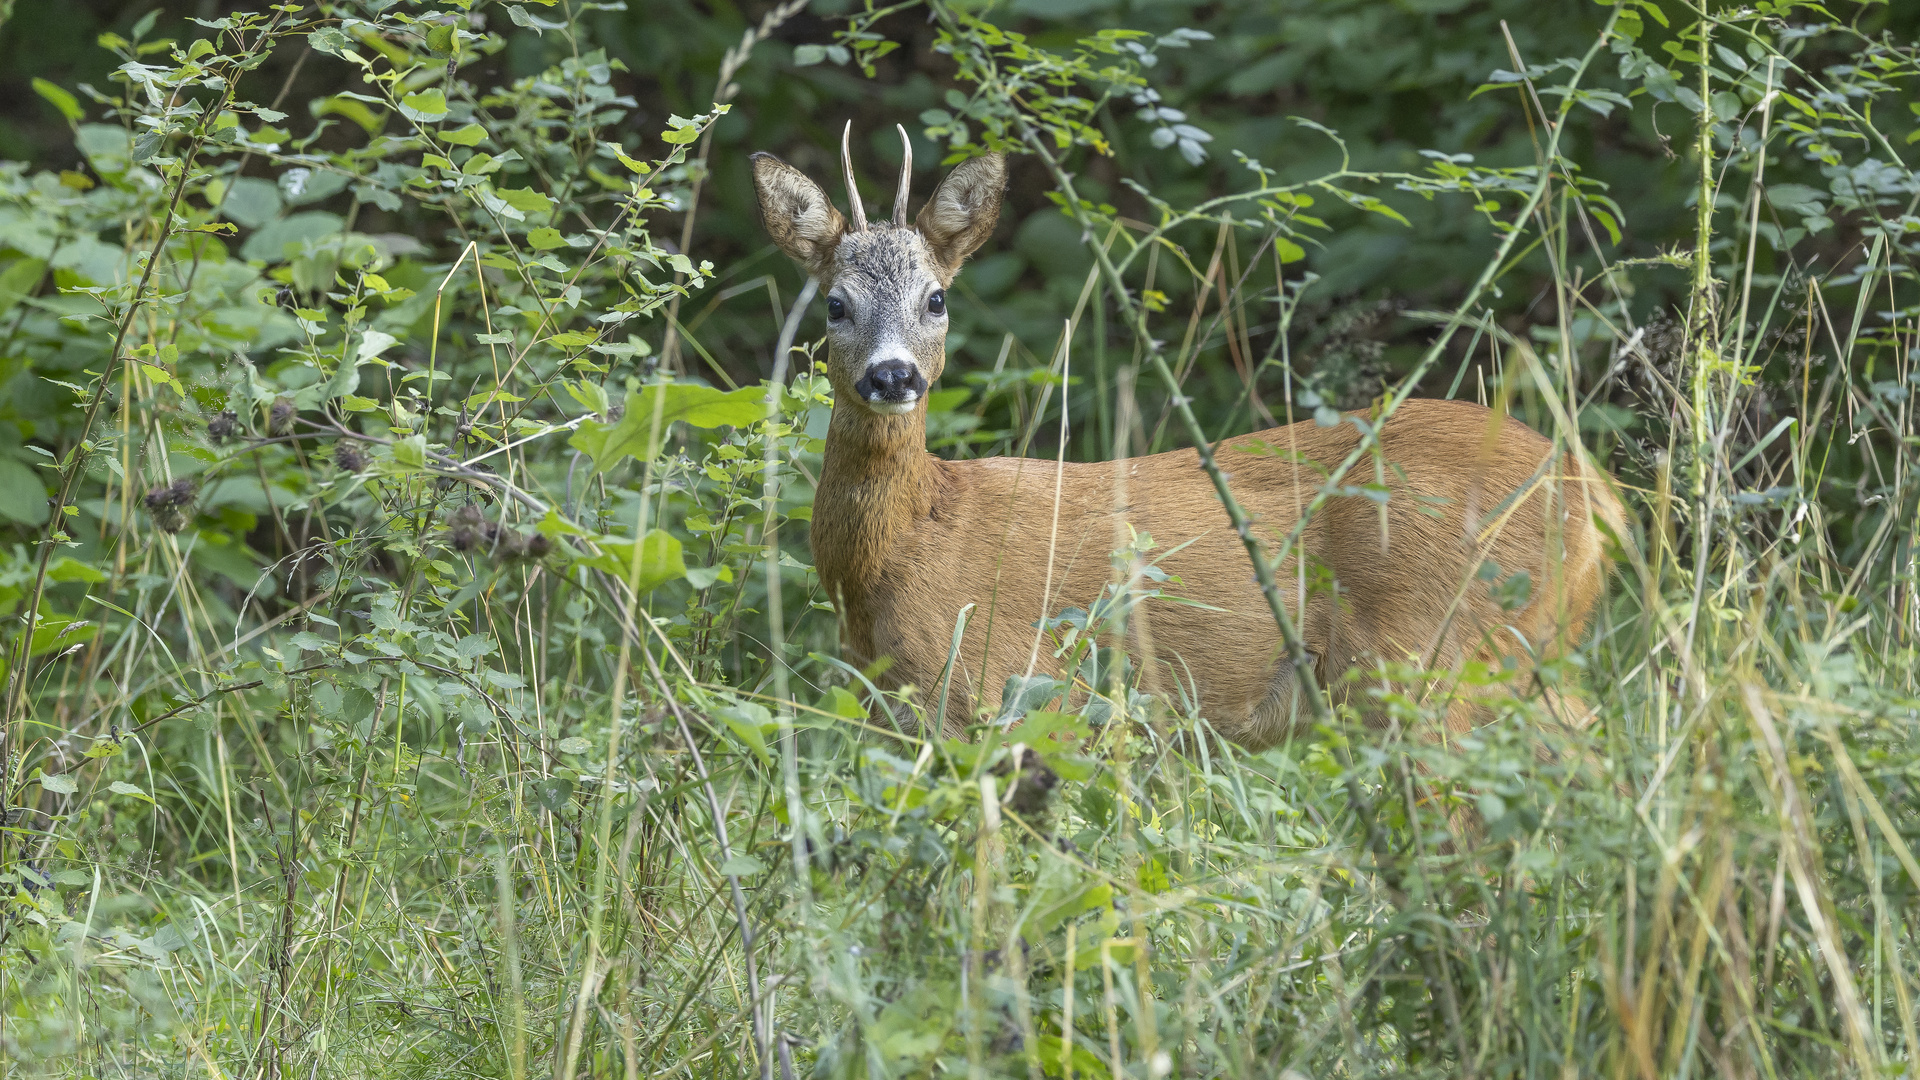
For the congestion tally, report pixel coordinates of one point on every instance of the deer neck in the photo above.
(876, 482)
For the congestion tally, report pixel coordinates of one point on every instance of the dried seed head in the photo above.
(348, 457)
(464, 538)
(223, 427)
(171, 505)
(280, 416)
(539, 546)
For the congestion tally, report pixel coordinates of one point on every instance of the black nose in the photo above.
(893, 377)
(892, 381)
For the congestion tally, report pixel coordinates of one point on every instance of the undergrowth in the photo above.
(413, 665)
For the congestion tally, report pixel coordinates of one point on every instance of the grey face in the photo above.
(885, 284)
(886, 319)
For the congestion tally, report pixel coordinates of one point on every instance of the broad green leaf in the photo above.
(271, 242)
(521, 17)
(660, 561)
(57, 633)
(121, 787)
(525, 200)
(750, 722)
(546, 239)
(104, 748)
(348, 106)
(251, 201)
(575, 745)
(332, 40)
(18, 280)
(1054, 906)
(551, 794)
(68, 105)
(841, 702)
(373, 344)
(23, 498)
(442, 40)
(63, 784)
(425, 106)
(1797, 198)
(655, 408)
(474, 646)
(466, 136)
(743, 865)
(410, 452)
(65, 568)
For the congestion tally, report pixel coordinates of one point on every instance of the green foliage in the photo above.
(413, 666)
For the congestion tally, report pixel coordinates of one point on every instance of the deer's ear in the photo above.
(797, 214)
(963, 210)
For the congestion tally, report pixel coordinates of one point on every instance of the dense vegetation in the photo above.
(413, 665)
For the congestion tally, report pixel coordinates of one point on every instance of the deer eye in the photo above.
(836, 309)
(937, 303)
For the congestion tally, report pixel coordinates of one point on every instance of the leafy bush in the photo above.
(414, 668)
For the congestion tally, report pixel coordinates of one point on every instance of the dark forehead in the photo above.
(881, 257)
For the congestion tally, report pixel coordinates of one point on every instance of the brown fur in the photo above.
(904, 540)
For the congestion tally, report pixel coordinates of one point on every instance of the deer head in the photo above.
(885, 282)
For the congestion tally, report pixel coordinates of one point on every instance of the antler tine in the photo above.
(906, 178)
(853, 191)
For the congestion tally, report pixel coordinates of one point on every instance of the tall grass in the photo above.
(606, 803)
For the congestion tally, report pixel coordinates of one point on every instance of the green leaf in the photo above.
(1053, 906)
(466, 136)
(655, 408)
(661, 560)
(703, 577)
(442, 40)
(23, 498)
(575, 745)
(333, 40)
(18, 281)
(103, 748)
(424, 107)
(63, 784)
(750, 722)
(743, 865)
(57, 633)
(66, 568)
(68, 105)
(520, 17)
(411, 452)
(373, 344)
(121, 787)
(841, 702)
(474, 646)
(251, 201)
(525, 200)
(1796, 198)
(551, 794)
(546, 240)
(349, 106)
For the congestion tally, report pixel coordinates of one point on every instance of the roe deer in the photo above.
(904, 540)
